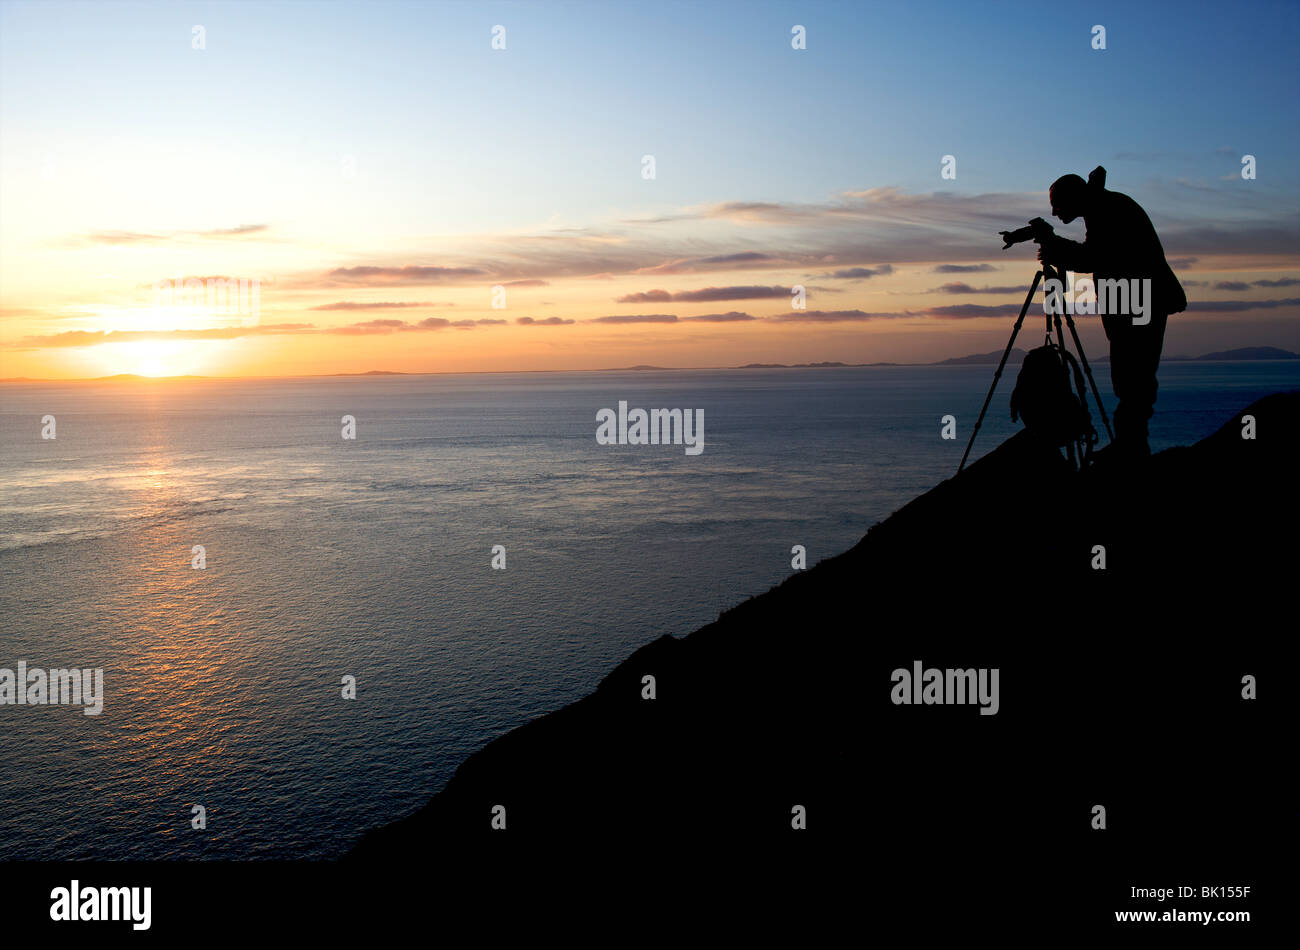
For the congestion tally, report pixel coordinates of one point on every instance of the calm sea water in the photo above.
(371, 558)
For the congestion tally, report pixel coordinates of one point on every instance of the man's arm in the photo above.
(1067, 254)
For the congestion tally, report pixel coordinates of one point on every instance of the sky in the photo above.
(621, 184)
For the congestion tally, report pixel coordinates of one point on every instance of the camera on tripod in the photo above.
(1037, 230)
(1068, 400)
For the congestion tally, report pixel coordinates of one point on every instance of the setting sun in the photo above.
(150, 358)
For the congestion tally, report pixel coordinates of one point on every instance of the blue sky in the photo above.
(713, 90)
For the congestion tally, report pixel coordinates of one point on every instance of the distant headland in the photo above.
(1243, 354)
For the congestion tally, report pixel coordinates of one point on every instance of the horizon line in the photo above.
(826, 364)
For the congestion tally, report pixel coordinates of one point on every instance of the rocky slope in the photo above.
(1118, 686)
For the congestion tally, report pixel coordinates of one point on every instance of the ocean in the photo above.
(372, 558)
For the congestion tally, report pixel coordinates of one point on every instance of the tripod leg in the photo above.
(1087, 370)
(1029, 298)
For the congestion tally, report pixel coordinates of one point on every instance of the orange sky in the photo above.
(610, 295)
(358, 340)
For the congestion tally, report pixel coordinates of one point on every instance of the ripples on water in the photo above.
(371, 558)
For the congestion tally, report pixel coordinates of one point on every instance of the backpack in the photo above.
(1044, 399)
(1172, 299)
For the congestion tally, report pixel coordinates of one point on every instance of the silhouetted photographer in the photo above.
(1121, 244)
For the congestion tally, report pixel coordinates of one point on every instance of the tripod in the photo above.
(1054, 307)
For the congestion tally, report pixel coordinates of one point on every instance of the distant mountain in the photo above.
(1016, 356)
(1251, 353)
(794, 365)
(1243, 354)
(831, 365)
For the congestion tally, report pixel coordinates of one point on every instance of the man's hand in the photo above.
(1047, 250)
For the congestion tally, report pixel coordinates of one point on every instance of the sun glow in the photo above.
(149, 358)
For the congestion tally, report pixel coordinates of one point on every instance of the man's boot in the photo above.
(1131, 435)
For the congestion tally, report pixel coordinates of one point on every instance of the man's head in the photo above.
(1069, 197)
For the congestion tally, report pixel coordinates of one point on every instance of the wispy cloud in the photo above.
(1237, 306)
(376, 305)
(860, 273)
(375, 276)
(398, 326)
(116, 237)
(96, 337)
(637, 318)
(855, 236)
(960, 287)
(708, 294)
(833, 316)
(238, 231)
(365, 328)
(740, 260)
(112, 237)
(383, 326)
(964, 311)
(731, 316)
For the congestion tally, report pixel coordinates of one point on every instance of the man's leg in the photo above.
(1134, 360)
